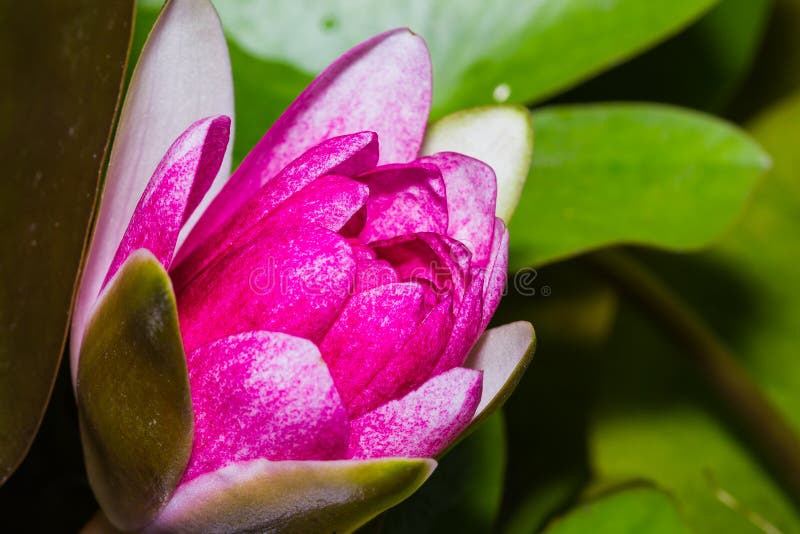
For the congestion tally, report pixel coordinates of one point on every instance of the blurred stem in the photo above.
(768, 431)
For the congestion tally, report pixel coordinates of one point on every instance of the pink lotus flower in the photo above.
(330, 292)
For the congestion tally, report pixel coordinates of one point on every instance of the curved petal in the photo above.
(329, 202)
(467, 326)
(421, 424)
(471, 197)
(369, 332)
(293, 280)
(264, 496)
(500, 136)
(503, 354)
(280, 403)
(382, 85)
(231, 224)
(187, 48)
(497, 273)
(174, 191)
(404, 199)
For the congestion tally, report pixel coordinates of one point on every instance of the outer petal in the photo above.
(503, 354)
(293, 280)
(174, 191)
(279, 402)
(301, 497)
(471, 196)
(346, 155)
(383, 85)
(421, 424)
(369, 332)
(187, 48)
(497, 273)
(404, 199)
(500, 136)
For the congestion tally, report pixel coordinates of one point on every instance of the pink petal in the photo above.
(293, 280)
(183, 74)
(413, 363)
(329, 202)
(467, 326)
(404, 199)
(174, 191)
(421, 424)
(471, 196)
(369, 332)
(234, 223)
(382, 85)
(497, 272)
(438, 259)
(263, 395)
(371, 273)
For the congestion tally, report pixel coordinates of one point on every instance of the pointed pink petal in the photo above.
(229, 224)
(382, 85)
(496, 274)
(421, 424)
(369, 332)
(175, 189)
(183, 74)
(329, 202)
(279, 403)
(404, 199)
(293, 280)
(467, 326)
(413, 363)
(471, 196)
(371, 273)
(438, 259)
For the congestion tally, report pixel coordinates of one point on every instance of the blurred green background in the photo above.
(649, 237)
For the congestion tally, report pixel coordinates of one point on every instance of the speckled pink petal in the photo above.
(471, 196)
(467, 326)
(404, 199)
(438, 259)
(231, 224)
(178, 184)
(369, 332)
(293, 280)
(497, 272)
(382, 85)
(413, 363)
(421, 424)
(371, 273)
(263, 395)
(329, 202)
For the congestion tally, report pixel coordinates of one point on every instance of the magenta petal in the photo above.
(234, 215)
(263, 395)
(471, 197)
(176, 188)
(372, 273)
(293, 280)
(329, 202)
(404, 199)
(369, 332)
(496, 274)
(421, 424)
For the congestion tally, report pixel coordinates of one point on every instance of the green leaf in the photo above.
(292, 496)
(633, 510)
(58, 103)
(533, 48)
(463, 494)
(701, 67)
(630, 173)
(133, 394)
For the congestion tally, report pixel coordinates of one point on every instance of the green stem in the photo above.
(769, 432)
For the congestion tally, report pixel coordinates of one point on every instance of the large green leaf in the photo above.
(133, 394)
(631, 511)
(63, 65)
(747, 288)
(463, 494)
(630, 173)
(699, 68)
